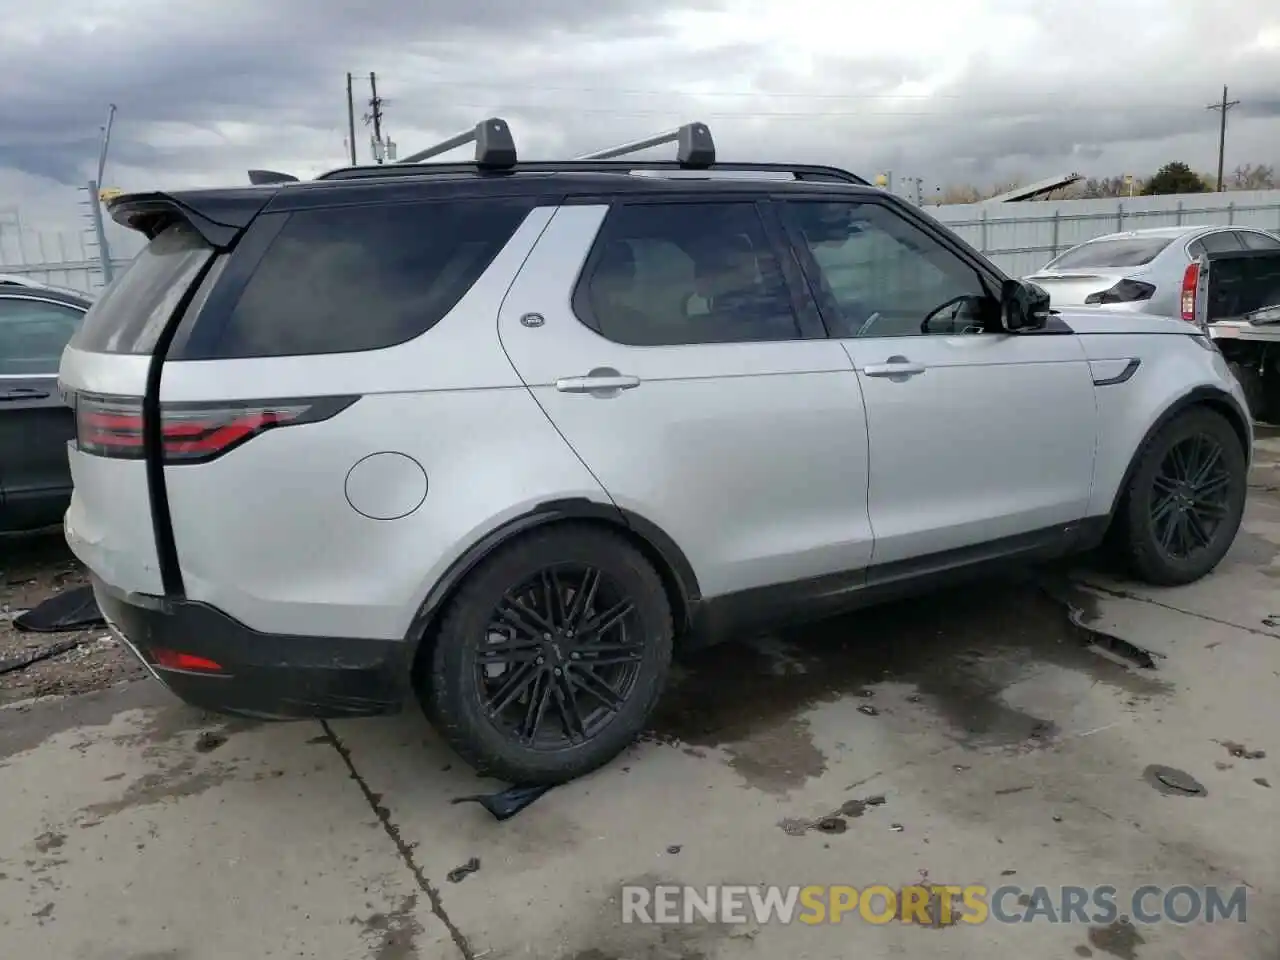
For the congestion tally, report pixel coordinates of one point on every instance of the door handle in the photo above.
(23, 393)
(600, 382)
(893, 367)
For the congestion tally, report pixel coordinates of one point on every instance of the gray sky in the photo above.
(970, 91)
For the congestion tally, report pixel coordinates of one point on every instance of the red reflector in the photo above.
(185, 661)
(1190, 277)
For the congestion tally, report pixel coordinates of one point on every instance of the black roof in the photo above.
(221, 213)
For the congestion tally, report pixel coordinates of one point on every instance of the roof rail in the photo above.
(496, 153)
(695, 149)
(800, 171)
(495, 148)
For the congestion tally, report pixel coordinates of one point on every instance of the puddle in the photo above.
(960, 650)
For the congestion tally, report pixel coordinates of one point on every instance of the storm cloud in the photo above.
(956, 91)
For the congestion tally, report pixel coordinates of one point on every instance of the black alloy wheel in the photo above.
(551, 656)
(561, 657)
(1191, 496)
(1185, 499)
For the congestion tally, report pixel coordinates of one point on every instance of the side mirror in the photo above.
(1023, 306)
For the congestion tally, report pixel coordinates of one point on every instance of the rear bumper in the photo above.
(263, 675)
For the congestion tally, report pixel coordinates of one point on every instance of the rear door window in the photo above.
(1121, 252)
(33, 333)
(132, 312)
(677, 274)
(347, 279)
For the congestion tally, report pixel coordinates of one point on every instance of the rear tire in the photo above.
(1184, 502)
(551, 656)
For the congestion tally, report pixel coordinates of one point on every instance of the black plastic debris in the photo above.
(506, 803)
(458, 874)
(74, 609)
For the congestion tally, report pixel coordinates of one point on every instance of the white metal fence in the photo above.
(63, 259)
(1019, 237)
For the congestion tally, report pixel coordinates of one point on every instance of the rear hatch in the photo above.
(110, 376)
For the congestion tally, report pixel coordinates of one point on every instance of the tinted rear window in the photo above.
(131, 313)
(1128, 252)
(347, 279)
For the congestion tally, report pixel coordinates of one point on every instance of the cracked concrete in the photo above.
(1000, 750)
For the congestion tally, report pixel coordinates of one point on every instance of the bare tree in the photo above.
(1251, 176)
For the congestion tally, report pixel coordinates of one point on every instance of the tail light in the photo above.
(1124, 291)
(1190, 277)
(190, 432)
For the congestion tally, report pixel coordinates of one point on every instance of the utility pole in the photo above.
(1224, 106)
(375, 116)
(351, 121)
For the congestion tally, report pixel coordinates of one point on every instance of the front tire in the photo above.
(1185, 500)
(551, 657)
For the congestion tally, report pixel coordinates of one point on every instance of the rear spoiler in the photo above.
(1238, 286)
(219, 216)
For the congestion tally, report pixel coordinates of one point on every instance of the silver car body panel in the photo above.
(764, 463)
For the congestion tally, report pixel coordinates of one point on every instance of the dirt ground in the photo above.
(33, 569)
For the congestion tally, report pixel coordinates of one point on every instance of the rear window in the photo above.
(132, 312)
(1126, 252)
(347, 279)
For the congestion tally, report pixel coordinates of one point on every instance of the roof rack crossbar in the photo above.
(495, 148)
(806, 172)
(695, 149)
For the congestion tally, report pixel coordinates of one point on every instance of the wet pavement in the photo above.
(1070, 729)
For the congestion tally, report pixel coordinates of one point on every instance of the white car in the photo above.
(506, 434)
(1146, 271)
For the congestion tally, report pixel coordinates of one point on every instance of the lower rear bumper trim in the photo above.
(265, 675)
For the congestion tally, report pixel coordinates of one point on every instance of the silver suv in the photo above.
(509, 434)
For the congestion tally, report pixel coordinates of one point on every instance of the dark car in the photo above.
(35, 425)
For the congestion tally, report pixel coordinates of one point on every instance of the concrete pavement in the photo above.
(1005, 749)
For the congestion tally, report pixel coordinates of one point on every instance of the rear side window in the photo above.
(1126, 252)
(132, 312)
(347, 279)
(1259, 241)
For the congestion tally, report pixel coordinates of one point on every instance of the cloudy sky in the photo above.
(955, 91)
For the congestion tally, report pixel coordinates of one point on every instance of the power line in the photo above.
(1224, 106)
(1056, 106)
(979, 111)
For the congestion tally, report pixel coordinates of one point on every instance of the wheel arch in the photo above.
(1212, 398)
(651, 540)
